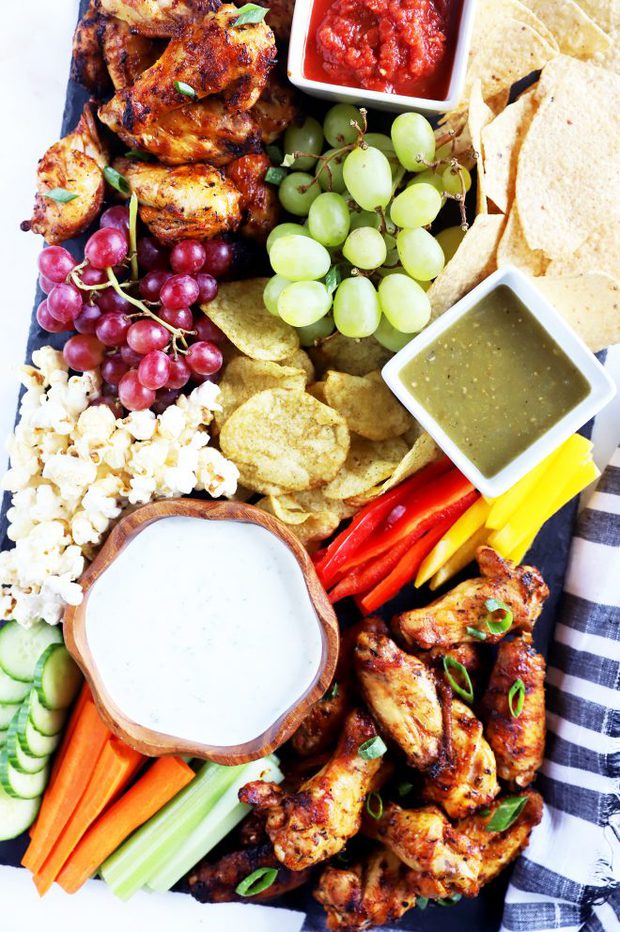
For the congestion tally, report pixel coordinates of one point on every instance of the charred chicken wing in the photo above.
(275, 109)
(217, 883)
(280, 17)
(518, 741)
(314, 823)
(259, 199)
(444, 622)
(161, 18)
(87, 64)
(126, 53)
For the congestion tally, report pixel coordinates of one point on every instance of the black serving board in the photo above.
(549, 553)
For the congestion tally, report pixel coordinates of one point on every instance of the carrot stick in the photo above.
(116, 765)
(160, 783)
(71, 779)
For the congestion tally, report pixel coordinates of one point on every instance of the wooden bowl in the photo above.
(154, 743)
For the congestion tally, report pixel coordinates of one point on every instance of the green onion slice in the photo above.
(275, 175)
(422, 902)
(332, 692)
(288, 160)
(61, 195)
(250, 13)
(260, 879)
(497, 625)
(373, 748)
(449, 900)
(516, 698)
(476, 633)
(374, 805)
(506, 813)
(139, 156)
(404, 788)
(186, 89)
(116, 180)
(463, 688)
(275, 153)
(333, 279)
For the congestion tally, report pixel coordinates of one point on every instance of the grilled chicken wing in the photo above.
(443, 860)
(373, 892)
(76, 164)
(518, 742)
(401, 694)
(444, 622)
(87, 64)
(467, 654)
(275, 109)
(158, 18)
(498, 849)
(186, 202)
(259, 200)
(280, 17)
(126, 54)
(217, 883)
(314, 823)
(210, 56)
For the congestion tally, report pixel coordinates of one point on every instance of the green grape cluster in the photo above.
(361, 257)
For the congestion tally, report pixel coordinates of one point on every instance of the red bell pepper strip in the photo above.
(370, 517)
(367, 575)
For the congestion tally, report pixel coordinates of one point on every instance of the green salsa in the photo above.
(495, 381)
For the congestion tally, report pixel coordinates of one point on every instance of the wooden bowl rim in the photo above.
(157, 744)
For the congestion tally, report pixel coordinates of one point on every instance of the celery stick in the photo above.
(134, 862)
(226, 813)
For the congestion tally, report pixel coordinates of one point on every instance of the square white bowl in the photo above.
(601, 386)
(379, 100)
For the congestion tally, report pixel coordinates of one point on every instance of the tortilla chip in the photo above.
(576, 33)
(480, 115)
(606, 13)
(514, 250)
(367, 405)
(369, 462)
(239, 311)
(599, 253)
(501, 142)
(357, 357)
(245, 377)
(590, 303)
(423, 452)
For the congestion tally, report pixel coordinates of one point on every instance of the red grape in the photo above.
(91, 276)
(204, 358)
(165, 397)
(133, 394)
(188, 256)
(55, 263)
(106, 248)
(83, 352)
(46, 321)
(110, 301)
(117, 217)
(179, 291)
(151, 284)
(218, 258)
(207, 287)
(86, 321)
(154, 370)
(179, 373)
(146, 335)
(207, 330)
(46, 284)
(183, 319)
(130, 356)
(115, 406)
(112, 329)
(151, 254)
(113, 368)
(64, 303)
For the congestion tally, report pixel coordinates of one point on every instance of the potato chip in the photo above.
(317, 390)
(245, 377)
(284, 440)
(367, 405)
(369, 463)
(480, 115)
(308, 515)
(599, 253)
(423, 452)
(590, 303)
(514, 250)
(238, 311)
(501, 142)
(576, 33)
(357, 357)
(300, 360)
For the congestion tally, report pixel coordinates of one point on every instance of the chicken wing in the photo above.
(314, 823)
(75, 164)
(444, 622)
(517, 741)
(259, 199)
(498, 849)
(466, 654)
(443, 860)
(186, 202)
(87, 63)
(217, 883)
(465, 776)
(210, 57)
(280, 17)
(126, 54)
(275, 109)
(158, 18)
(373, 892)
(401, 694)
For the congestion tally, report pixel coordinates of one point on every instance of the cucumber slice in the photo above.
(48, 723)
(20, 648)
(7, 714)
(32, 741)
(21, 785)
(16, 755)
(57, 678)
(16, 815)
(12, 691)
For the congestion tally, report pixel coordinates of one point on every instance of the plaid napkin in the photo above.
(569, 878)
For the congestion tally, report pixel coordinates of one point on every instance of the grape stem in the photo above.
(177, 333)
(133, 236)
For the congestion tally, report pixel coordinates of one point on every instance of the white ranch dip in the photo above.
(204, 630)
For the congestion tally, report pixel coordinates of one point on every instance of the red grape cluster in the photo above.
(147, 336)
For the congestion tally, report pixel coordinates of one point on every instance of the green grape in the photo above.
(297, 192)
(305, 138)
(420, 254)
(454, 179)
(404, 303)
(337, 124)
(429, 177)
(445, 151)
(299, 258)
(365, 218)
(303, 303)
(365, 248)
(356, 308)
(311, 334)
(285, 229)
(329, 219)
(416, 206)
(392, 339)
(413, 136)
(272, 291)
(380, 141)
(450, 239)
(368, 177)
(329, 173)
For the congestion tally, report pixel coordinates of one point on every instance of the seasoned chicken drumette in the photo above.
(126, 54)
(444, 622)
(518, 741)
(161, 18)
(87, 64)
(315, 822)
(280, 17)
(275, 109)
(217, 883)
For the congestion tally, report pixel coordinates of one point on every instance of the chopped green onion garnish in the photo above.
(61, 195)
(260, 879)
(116, 180)
(374, 805)
(516, 698)
(288, 160)
(464, 689)
(332, 692)
(506, 813)
(133, 236)
(476, 633)
(275, 175)
(274, 153)
(404, 788)
(501, 625)
(186, 89)
(250, 13)
(139, 156)
(449, 900)
(422, 902)
(374, 747)
(333, 279)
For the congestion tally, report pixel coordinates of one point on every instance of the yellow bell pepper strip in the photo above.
(459, 560)
(460, 532)
(505, 505)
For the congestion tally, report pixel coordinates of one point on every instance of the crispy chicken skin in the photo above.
(464, 778)
(126, 54)
(400, 692)
(314, 823)
(87, 63)
(518, 743)
(216, 883)
(373, 892)
(275, 109)
(76, 163)
(498, 849)
(158, 18)
(444, 622)
(280, 17)
(259, 199)
(211, 56)
(443, 860)
(185, 202)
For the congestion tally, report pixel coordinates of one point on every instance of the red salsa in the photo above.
(398, 46)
